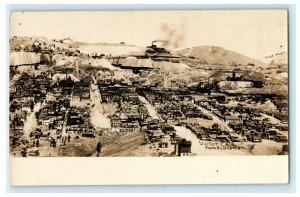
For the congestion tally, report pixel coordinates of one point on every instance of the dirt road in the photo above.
(216, 119)
(98, 119)
(151, 110)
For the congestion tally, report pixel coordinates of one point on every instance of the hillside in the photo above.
(109, 49)
(217, 55)
(115, 49)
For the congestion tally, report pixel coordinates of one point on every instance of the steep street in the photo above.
(216, 119)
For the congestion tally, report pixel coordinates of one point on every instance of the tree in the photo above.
(98, 148)
(31, 105)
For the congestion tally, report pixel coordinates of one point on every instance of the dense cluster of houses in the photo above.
(132, 115)
(249, 122)
(81, 89)
(175, 106)
(24, 94)
(29, 91)
(52, 114)
(172, 106)
(78, 121)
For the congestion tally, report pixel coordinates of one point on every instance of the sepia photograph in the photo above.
(186, 83)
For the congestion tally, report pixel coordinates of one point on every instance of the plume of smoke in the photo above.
(174, 36)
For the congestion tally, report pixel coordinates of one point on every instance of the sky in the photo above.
(254, 33)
